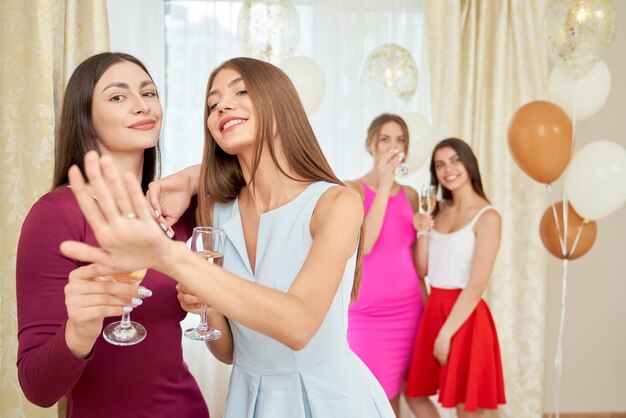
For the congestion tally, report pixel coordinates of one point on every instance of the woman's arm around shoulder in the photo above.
(170, 196)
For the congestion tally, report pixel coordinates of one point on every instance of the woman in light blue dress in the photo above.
(292, 230)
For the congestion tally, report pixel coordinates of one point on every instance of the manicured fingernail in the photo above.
(127, 308)
(163, 227)
(170, 234)
(136, 301)
(144, 292)
(156, 213)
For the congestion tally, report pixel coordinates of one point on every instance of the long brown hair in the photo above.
(374, 129)
(76, 135)
(279, 113)
(467, 157)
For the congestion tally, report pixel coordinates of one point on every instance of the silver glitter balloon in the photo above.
(392, 68)
(577, 32)
(268, 29)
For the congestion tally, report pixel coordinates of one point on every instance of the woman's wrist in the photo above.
(193, 175)
(170, 258)
(78, 342)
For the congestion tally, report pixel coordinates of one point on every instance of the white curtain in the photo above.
(338, 35)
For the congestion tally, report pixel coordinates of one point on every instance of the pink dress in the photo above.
(383, 322)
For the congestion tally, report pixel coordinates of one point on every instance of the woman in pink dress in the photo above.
(382, 323)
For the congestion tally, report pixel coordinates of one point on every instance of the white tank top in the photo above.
(450, 255)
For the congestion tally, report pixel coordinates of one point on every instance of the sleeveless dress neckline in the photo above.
(471, 223)
(286, 204)
(401, 191)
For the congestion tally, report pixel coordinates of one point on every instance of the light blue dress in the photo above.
(270, 380)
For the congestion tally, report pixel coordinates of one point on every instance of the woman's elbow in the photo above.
(226, 359)
(298, 343)
(35, 395)
(477, 289)
(298, 339)
(223, 356)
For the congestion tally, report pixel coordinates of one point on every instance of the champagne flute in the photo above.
(427, 200)
(208, 243)
(402, 170)
(126, 332)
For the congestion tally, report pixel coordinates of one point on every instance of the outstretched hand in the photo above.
(119, 216)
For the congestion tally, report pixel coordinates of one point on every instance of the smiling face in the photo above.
(455, 166)
(231, 115)
(449, 169)
(126, 110)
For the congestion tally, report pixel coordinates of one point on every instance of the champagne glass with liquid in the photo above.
(427, 200)
(208, 243)
(126, 332)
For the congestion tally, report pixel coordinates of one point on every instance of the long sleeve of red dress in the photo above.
(149, 379)
(47, 369)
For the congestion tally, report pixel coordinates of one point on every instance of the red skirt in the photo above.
(473, 374)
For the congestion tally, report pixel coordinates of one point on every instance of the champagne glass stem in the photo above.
(203, 323)
(125, 321)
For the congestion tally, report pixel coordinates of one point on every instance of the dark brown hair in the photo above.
(75, 134)
(374, 129)
(279, 113)
(467, 157)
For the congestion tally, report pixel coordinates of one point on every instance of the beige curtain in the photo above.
(487, 58)
(41, 43)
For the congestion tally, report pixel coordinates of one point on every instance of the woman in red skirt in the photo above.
(456, 350)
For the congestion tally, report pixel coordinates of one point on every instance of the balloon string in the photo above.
(558, 358)
(578, 234)
(574, 116)
(565, 225)
(556, 220)
(565, 199)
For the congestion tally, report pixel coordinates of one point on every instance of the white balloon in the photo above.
(582, 96)
(308, 79)
(595, 183)
(420, 140)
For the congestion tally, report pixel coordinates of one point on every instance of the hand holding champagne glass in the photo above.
(208, 243)
(126, 332)
(402, 170)
(427, 201)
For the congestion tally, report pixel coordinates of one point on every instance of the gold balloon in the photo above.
(577, 32)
